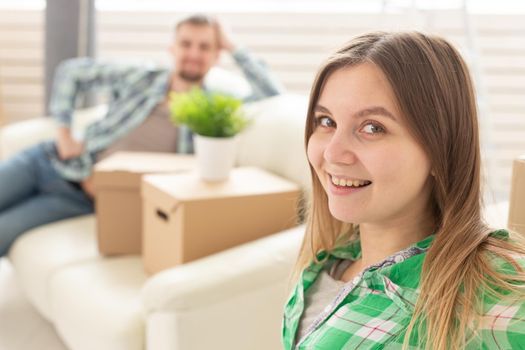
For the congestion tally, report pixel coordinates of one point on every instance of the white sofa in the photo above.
(230, 300)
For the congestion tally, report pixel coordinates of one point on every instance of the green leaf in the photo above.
(208, 114)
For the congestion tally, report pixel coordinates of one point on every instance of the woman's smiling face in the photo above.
(371, 167)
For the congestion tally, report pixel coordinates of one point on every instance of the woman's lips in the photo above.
(344, 190)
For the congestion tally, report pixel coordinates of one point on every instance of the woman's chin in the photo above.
(345, 216)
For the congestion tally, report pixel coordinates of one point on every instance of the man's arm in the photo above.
(74, 77)
(262, 82)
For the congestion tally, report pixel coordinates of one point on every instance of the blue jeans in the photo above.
(32, 193)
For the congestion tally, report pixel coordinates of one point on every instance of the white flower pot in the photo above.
(215, 156)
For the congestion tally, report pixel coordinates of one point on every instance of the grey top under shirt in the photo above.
(321, 293)
(155, 134)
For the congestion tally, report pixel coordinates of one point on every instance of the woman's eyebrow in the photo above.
(319, 108)
(376, 110)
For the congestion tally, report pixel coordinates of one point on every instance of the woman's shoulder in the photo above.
(502, 322)
(509, 256)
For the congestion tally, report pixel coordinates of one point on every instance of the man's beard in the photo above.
(191, 77)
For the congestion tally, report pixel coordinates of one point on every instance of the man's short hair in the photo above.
(198, 19)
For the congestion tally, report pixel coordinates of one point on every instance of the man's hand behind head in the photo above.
(224, 37)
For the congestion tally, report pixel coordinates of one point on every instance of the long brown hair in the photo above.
(435, 94)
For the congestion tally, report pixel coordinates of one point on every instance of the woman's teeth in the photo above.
(349, 183)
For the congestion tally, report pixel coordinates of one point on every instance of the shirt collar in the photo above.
(352, 251)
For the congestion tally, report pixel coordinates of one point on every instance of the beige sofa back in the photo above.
(275, 140)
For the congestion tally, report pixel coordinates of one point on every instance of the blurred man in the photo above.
(52, 180)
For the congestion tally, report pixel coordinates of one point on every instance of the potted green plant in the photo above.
(216, 119)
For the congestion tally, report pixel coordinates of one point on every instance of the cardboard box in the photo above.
(517, 197)
(186, 218)
(118, 203)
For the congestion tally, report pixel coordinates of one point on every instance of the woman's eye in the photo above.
(372, 129)
(325, 122)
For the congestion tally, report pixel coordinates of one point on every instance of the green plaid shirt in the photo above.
(374, 309)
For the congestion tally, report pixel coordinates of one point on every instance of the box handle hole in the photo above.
(162, 215)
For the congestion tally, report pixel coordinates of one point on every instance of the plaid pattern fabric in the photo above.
(374, 309)
(133, 92)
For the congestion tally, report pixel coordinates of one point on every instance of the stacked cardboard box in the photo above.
(186, 218)
(118, 204)
(517, 197)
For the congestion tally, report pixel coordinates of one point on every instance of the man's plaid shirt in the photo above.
(374, 309)
(133, 92)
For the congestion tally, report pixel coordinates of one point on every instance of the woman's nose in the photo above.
(340, 149)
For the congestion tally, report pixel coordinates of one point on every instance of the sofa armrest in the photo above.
(228, 274)
(18, 136)
(231, 300)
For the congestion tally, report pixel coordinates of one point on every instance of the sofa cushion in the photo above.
(96, 304)
(41, 252)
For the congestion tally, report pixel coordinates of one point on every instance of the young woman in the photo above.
(396, 253)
